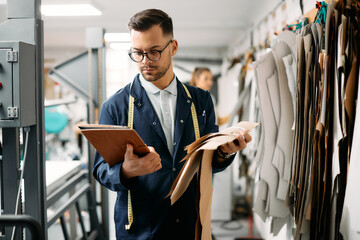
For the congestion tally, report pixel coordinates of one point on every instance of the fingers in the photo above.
(155, 157)
(138, 166)
(233, 147)
(152, 150)
(152, 160)
(158, 166)
(238, 144)
(129, 151)
(155, 164)
(247, 137)
(241, 141)
(242, 144)
(226, 148)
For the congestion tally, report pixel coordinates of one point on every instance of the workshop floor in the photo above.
(221, 230)
(232, 230)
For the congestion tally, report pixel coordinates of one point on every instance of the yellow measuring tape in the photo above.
(193, 114)
(131, 125)
(131, 112)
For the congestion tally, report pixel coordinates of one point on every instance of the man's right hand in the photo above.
(134, 166)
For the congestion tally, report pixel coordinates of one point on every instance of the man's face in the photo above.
(153, 39)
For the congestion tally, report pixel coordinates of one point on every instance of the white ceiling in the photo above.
(198, 24)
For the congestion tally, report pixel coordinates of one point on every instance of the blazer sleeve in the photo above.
(109, 177)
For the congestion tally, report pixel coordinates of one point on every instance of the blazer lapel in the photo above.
(183, 106)
(143, 106)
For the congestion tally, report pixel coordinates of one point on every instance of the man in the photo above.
(161, 110)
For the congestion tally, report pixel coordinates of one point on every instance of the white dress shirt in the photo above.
(164, 104)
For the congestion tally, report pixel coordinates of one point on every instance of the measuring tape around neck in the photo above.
(131, 125)
(193, 114)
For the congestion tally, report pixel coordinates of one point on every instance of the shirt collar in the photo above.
(151, 88)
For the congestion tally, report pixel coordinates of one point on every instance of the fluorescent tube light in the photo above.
(70, 10)
(117, 37)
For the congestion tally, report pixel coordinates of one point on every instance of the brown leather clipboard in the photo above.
(110, 141)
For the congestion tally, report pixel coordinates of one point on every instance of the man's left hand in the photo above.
(238, 144)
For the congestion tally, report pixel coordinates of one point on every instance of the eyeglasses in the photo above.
(152, 55)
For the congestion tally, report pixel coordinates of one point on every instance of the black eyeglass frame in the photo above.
(146, 53)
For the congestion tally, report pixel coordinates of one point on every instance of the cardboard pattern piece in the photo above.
(199, 160)
(110, 141)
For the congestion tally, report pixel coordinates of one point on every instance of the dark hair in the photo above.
(144, 20)
(196, 73)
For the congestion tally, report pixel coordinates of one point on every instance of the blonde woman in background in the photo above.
(203, 78)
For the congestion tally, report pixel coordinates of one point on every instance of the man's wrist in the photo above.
(124, 173)
(221, 154)
(126, 179)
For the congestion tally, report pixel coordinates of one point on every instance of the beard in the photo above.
(156, 72)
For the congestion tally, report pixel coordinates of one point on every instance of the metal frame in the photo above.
(23, 221)
(90, 85)
(24, 24)
(75, 188)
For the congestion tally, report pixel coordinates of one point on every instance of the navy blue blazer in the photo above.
(154, 217)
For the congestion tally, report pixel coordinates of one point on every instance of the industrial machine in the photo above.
(26, 187)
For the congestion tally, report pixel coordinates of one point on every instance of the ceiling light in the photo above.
(70, 10)
(117, 37)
